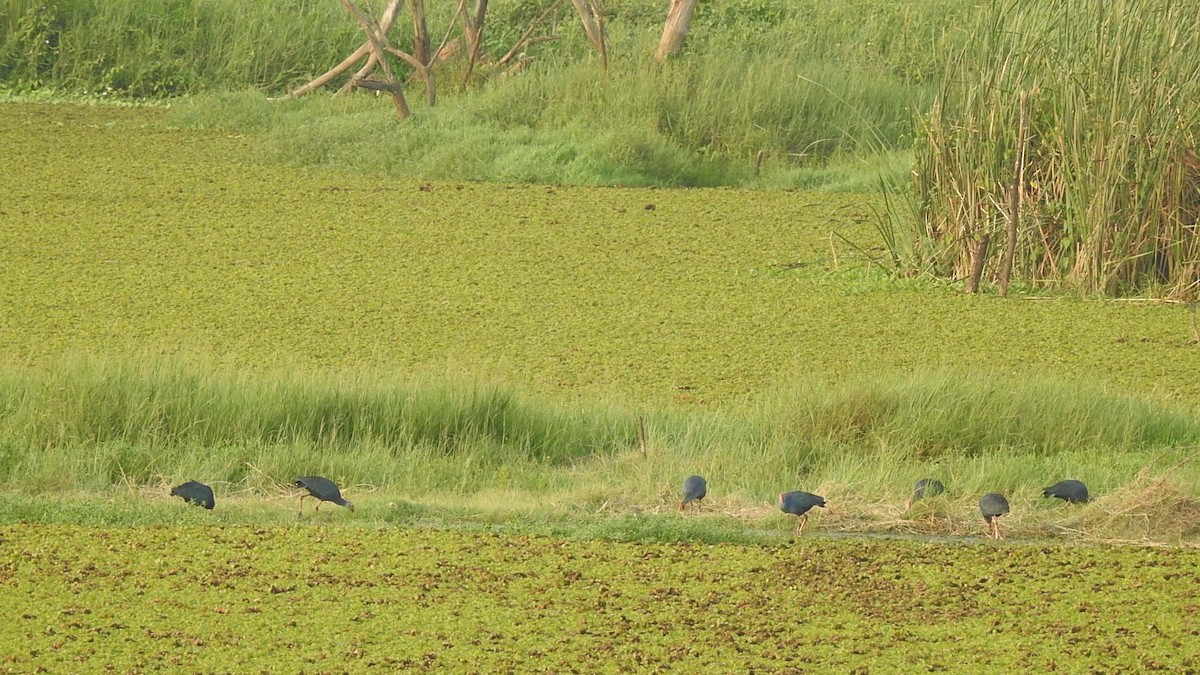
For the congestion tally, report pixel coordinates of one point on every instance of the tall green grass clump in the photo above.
(159, 48)
(1074, 124)
(135, 420)
(948, 414)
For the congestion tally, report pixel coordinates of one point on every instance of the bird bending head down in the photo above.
(1070, 491)
(195, 492)
(926, 487)
(694, 489)
(798, 503)
(324, 490)
(992, 506)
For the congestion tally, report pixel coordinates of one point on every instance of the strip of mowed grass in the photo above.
(124, 237)
(311, 597)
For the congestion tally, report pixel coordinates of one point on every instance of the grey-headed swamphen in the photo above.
(926, 487)
(992, 506)
(195, 492)
(694, 490)
(798, 503)
(324, 490)
(1070, 491)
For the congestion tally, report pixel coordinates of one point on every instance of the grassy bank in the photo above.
(791, 94)
(457, 448)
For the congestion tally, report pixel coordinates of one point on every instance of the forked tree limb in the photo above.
(473, 33)
(404, 56)
(421, 53)
(385, 24)
(593, 26)
(378, 47)
(363, 73)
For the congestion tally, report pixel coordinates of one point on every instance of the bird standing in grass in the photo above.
(195, 492)
(1070, 491)
(926, 487)
(798, 503)
(992, 506)
(694, 489)
(324, 490)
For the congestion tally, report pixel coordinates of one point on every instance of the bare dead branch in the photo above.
(385, 24)
(378, 45)
(525, 39)
(473, 33)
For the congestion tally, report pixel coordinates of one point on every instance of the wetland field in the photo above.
(511, 382)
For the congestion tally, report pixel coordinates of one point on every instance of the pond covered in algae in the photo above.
(123, 235)
(313, 598)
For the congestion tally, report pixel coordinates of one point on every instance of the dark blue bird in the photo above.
(926, 487)
(324, 490)
(196, 493)
(798, 503)
(694, 489)
(1070, 491)
(992, 506)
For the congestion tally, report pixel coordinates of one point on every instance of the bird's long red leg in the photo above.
(301, 505)
(803, 522)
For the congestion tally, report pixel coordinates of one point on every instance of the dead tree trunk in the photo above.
(978, 258)
(473, 34)
(679, 18)
(593, 25)
(421, 50)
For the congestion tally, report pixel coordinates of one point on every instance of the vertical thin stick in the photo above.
(642, 435)
(1014, 203)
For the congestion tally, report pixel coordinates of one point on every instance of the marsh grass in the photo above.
(1107, 192)
(450, 447)
(113, 421)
